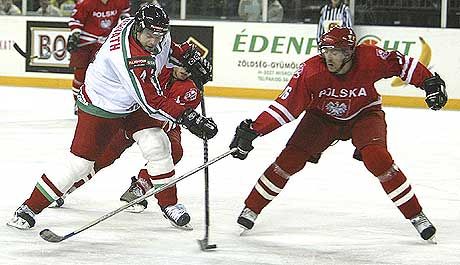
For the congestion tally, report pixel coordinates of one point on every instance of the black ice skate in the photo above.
(177, 216)
(246, 219)
(134, 192)
(23, 218)
(424, 227)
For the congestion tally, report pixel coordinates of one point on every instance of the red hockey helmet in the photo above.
(338, 37)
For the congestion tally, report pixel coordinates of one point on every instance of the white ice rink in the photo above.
(334, 212)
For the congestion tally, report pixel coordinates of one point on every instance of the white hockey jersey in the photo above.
(124, 77)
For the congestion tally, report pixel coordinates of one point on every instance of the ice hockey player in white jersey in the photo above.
(120, 83)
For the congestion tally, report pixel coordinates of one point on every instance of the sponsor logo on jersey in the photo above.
(143, 61)
(343, 92)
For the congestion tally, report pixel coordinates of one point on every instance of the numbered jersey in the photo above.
(339, 97)
(95, 19)
(124, 77)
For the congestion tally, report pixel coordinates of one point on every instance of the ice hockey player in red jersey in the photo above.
(121, 83)
(90, 24)
(336, 91)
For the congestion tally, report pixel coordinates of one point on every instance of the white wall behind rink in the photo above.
(264, 56)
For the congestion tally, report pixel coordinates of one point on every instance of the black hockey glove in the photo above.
(244, 135)
(435, 89)
(72, 41)
(199, 68)
(203, 127)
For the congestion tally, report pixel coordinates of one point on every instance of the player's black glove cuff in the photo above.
(72, 41)
(435, 89)
(244, 135)
(203, 127)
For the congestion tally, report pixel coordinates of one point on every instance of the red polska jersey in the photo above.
(339, 97)
(96, 19)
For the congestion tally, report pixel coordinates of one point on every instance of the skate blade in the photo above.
(57, 203)
(186, 227)
(244, 231)
(432, 240)
(18, 226)
(136, 208)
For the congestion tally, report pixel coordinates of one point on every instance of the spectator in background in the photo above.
(335, 13)
(8, 8)
(250, 10)
(66, 6)
(275, 11)
(48, 10)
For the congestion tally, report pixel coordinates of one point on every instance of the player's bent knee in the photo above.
(156, 149)
(292, 159)
(376, 158)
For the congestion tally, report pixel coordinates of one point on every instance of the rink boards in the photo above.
(251, 60)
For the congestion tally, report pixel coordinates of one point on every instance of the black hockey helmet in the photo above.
(152, 17)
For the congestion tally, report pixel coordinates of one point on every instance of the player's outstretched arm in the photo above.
(244, 135)
(435, 89)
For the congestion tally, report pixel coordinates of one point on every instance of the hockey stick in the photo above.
(28, 57)
(50, 236)
(204, 243)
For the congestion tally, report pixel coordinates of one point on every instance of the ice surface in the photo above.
(334, 212)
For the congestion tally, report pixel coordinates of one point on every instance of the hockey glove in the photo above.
(244, 135)
(199, 68)
(203, 127)
(435, 89)
(72, 41)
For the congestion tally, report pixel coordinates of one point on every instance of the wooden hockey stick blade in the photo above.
(19, 50)
(50, 236)
(205, 246)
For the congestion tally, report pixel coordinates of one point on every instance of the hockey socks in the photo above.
(43, 195)
(166, 197)
(400, 192)
(380, 163)
(268, 186)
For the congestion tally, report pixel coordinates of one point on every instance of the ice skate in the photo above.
(424, 227)
(177, 216)
(57, 203)
(134, 192)
(23, 218)
(246, 220)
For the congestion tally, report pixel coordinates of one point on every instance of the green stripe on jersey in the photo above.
(98, 112)
(132, 76)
